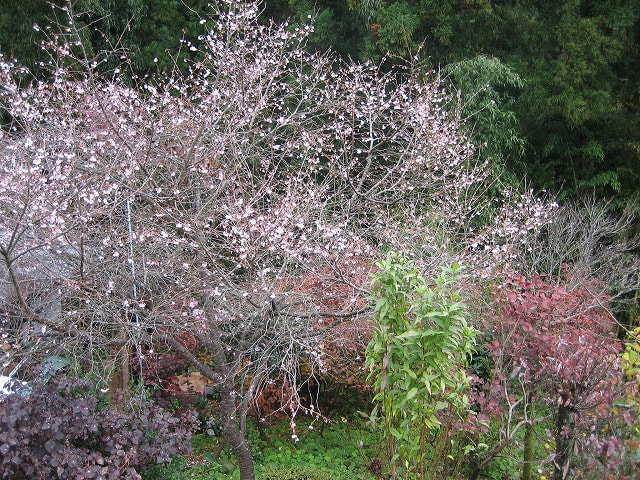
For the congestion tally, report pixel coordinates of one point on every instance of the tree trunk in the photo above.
(223, 375)
(119, 380)
(528, 452)
(564, 443)
(232, 432)
(479, 464)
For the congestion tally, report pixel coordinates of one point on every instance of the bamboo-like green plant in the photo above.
(416, 359)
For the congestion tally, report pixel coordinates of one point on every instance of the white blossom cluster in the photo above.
(230, 187)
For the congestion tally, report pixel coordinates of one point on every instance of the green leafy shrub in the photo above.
(417, 358)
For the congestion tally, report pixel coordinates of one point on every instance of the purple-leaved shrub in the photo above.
(61, 430)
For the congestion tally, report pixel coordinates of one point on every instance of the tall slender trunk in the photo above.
(119, 380)
(232, 413)
(224, 374)
(232, 432)
(438, 465)
(423, 441)
(390, 440)
(564, 443)
(528, 452)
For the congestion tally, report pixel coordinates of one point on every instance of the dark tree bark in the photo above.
(564, 442)
(119, 381)
(232, 432)
(223, 374)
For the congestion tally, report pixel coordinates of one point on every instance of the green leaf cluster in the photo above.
(487, 89)
(295, 473)
(417, 357)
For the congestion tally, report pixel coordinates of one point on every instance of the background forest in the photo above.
(302, 240)
(550, 88)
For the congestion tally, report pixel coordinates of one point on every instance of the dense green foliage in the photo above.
(416, 357)
(347, 450)
(549, 89)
